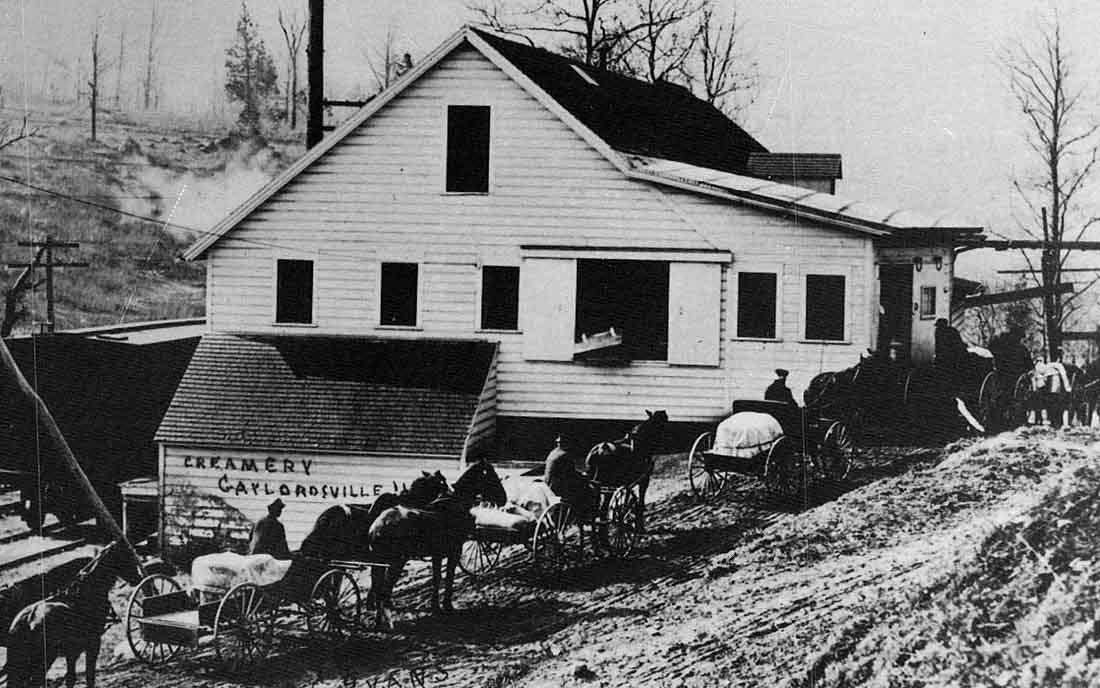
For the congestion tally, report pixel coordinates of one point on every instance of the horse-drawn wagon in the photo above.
(238, 612)
(607, 502)
(783, 445)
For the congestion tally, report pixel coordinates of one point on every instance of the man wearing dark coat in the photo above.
(564, 480)
(950, 352)
(268, 535)
(778, 390)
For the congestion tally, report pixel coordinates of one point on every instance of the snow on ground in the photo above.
(929, 565)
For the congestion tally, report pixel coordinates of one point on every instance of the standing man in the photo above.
(268, 535)
(778, 390)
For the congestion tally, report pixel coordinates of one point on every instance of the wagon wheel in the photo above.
(558, 539)
(149, 652)
(705, 483)
(243, 627)
(622, 522)
(335, 603)
(479, 556)
(837, 451)
(784, 470)
(1021, 398)
(991, 398)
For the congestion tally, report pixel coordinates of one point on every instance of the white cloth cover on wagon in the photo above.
(223, 570)
(746, 434)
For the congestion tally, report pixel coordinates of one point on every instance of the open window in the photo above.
(629, 296)
(499, 297)
(757, 297)
(467, 149)
(398, 305)
(294, 292)
(825, 309)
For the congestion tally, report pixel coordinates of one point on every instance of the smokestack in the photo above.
(315, 53)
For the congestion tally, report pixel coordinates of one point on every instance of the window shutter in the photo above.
(694, 313)
(547, 304)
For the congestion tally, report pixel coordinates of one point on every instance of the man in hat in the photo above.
(268, 535)
(778, 390)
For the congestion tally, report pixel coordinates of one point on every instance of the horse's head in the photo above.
(481, 482)
(426, 488)
(117, 560)
(644, 434)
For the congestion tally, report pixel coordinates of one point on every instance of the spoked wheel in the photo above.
(993, 403)
(243, 628)
(784, 471)
(479, 556)
(151, 653)
(705, 483)
(334, 606)
(558, 538)
(837, 451)
(622, 526)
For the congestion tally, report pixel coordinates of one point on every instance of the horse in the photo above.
(70, 622)
(628, 459)
(341, 532)
(437, 531)
(36, 588)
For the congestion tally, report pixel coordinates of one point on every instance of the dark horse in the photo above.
(68, 623)
(341, 532)
(628, 459)
(35, 589)
(437, 531)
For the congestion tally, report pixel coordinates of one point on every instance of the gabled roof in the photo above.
(793, 165)
(618, 117)
(316, 393)
(836, 210)
(659, 119)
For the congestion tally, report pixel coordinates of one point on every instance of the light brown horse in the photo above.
(69, 623)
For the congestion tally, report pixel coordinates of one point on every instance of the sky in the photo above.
(910, 93)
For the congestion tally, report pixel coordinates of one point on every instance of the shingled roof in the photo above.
(662, 120)
(793, 166)
(329, 394)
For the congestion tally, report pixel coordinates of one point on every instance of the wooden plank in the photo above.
(1011, 296)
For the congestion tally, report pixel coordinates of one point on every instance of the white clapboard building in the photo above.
(507, 242)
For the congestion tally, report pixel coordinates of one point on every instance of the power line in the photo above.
(163, 223)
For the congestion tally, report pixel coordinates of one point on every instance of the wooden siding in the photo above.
(770, 242)
(922, 341)
(195, 495)
(378, 196)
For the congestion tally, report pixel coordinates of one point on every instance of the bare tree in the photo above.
(659, 51)
(723, 73)
(152, 54)
(1063, 136)
(592, 31)
(388, 63)
(94, 76)
(10, 135)
(293, 31)
(121, 62)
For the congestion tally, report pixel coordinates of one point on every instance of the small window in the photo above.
(825, 307)
(756, 301)
(294, 291)
(468, 148)
(398, 305)
(499, 297)
(928, 302)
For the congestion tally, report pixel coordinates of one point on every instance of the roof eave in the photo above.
(198, 249)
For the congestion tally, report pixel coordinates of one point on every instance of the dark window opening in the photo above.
(468, 148)
(499, 297)
(398, 301)
(632, 297)
(756, 301)
(294, 291)
(825, 307)
(927, 302)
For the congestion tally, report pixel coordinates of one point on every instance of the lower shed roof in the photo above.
(317, 393)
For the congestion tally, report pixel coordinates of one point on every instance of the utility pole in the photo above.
(47, 247)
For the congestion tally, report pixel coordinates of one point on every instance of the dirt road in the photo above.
(747, 591)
